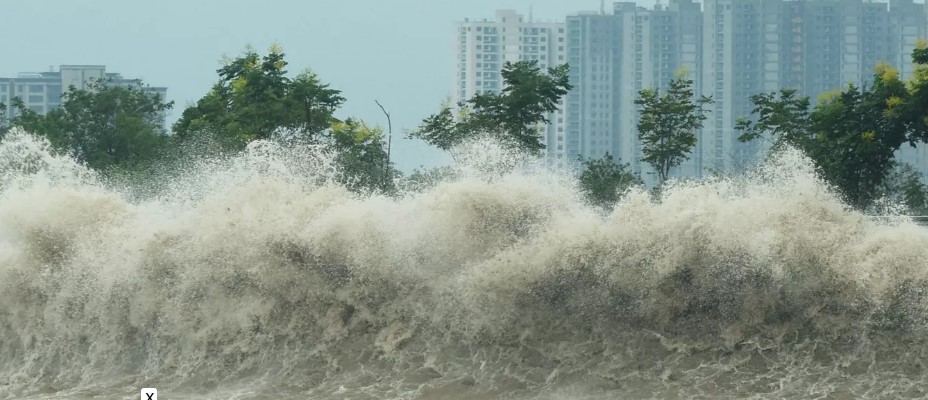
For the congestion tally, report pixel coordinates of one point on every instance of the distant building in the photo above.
(745, 44)
(612, 58)
(733, 49)
(42, 91)
(814, 46)
(908, 25)
(484, 46)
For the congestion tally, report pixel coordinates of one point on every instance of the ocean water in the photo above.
(258, 277)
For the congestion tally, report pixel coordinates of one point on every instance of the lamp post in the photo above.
(389, 139)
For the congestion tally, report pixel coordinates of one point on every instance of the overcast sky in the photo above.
(400, 52)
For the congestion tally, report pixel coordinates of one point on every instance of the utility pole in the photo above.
(389, 129)
(389, 136)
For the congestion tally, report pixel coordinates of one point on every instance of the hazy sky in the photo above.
(400, 52)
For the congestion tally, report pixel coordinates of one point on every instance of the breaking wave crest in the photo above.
(258, 276)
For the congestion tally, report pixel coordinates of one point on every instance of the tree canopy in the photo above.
(781, 116)
(904, 186)
(4, 124)
(362, 159)
(851, 135)
(603, 181)
(255, 99)
(105, 126)
(668, 124)
(513, 115)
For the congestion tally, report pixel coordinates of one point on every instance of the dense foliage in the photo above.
(903, 186)
(515, 115)
(120, 129)
(851, 135)
(359, 152)
(108, 127)
(603, 181)
(254, 99)
(668, 124)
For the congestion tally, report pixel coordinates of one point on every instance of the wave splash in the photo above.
(257, 276)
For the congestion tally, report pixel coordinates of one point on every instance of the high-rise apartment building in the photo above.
(747, 49)
(908, 23)
(907, 26)
(484, 46)
(42, 91)
(612, 58)
(814, 46)
(593, 55)
(732, 49)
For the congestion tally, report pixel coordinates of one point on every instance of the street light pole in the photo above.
(389, 139)
(389, 129)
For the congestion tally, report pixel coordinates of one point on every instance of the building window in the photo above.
(36, 89)
(36, 99)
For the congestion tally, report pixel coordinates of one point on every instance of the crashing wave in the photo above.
(258, 274)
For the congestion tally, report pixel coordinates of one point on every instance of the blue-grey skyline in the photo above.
(399, 52)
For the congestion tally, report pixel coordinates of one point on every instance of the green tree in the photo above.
(904, 185)
(50, 126)
(915, 196)
(850, 135)
(424, 179)
(360, 155)
(603, 181)
(857, 134)
(4, 124)
(781, 117)
(315, 101)
(442, 131)
(254, 99)
(514, 115)
(915, 108)
(108, 127)
(668, 124)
